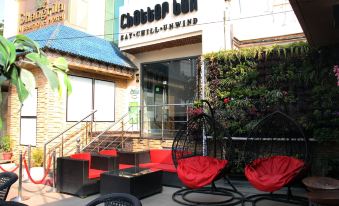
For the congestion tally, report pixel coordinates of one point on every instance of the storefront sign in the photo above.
(159, 12)
(155, 30)
(44, 15)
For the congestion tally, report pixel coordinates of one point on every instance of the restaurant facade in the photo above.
(167, 39)
(153, 73)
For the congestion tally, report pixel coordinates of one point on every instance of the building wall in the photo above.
(209, 23)
(260, 19)
(51, 113)
(11, 17)
(218, 23)
(85, 15)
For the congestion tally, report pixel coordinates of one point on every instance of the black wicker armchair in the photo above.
(116, 199)
(11, 203)
(276, 155)
(6, 181)
(201, 152)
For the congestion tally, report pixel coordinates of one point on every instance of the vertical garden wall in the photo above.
(244, 85)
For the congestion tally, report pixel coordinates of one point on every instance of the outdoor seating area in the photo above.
(275, 155)
(169, 103)
(198, 168)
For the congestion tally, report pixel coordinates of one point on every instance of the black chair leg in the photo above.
(232, 197)
(296, 200)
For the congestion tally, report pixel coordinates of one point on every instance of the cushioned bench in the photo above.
(162, 159)
(114, 153)
(159, 159)
(79, 174)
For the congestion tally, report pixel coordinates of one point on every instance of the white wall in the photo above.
(11, 19)
(264, 18)
(218, 22)
(87, 15)
(210, 24)
(96, 17)
(166, 54)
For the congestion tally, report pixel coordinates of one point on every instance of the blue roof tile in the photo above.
(65, 39)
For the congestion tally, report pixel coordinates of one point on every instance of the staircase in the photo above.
(111, 140)
(116, 136)
(68, 141)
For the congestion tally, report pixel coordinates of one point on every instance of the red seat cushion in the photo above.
(124, 166)
(93, 173)
(82, 156)
(111, 152)
(161, 156)
(272, 173)
(164, 167)
(199, 171)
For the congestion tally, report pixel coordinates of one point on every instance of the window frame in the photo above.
(93, 99)
(30, 117)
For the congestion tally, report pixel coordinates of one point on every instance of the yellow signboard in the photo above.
(44, 15)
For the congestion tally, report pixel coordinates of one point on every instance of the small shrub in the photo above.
(37, 157)
(6, 144)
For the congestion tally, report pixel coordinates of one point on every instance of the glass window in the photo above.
(109, 19)
(28, 131)
(88, 95)
(104, 98)
(28, 120)
(79, 102)
(29, 106)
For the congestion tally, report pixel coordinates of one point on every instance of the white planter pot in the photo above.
(37, 173)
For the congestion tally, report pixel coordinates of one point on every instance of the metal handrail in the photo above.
(66, 130)
(124, 140)
(121, 119)
(103, 132)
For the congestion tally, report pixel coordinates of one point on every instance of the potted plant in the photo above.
(6, 147)
(37, 170)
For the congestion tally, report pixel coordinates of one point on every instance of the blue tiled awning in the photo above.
(78, 43)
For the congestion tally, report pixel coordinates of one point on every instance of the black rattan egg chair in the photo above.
(7, 179)
(201, 152)
(116, 199)
(276, 155)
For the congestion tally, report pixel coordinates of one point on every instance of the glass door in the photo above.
(167, 88)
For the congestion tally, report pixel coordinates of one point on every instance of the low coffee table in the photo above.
(139, 182)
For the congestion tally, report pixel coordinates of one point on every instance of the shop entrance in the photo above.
(167, 90)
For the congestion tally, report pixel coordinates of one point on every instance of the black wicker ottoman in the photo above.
(136, 181)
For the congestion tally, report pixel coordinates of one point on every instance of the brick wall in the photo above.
(51, 112)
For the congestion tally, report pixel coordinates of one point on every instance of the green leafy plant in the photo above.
(12, 70)
(246, 84)
(37, 157)
(6, 144)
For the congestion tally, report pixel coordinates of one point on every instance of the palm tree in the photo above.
(24, 81)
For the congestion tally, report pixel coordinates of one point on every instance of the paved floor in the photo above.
(36, 195)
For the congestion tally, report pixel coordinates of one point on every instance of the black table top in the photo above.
(132, 151)
(131, 172)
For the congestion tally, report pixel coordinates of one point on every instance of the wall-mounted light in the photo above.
(137, 77)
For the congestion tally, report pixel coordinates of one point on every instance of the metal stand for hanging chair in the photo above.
(203, 136)
(278, 134)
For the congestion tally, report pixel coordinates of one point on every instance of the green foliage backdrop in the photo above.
(244, 85)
